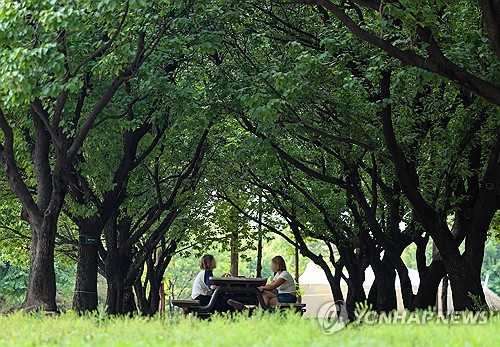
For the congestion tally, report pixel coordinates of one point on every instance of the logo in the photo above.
(332, 317)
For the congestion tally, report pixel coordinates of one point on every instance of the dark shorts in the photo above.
(287, 298)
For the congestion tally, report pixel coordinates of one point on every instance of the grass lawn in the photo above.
(268, 330)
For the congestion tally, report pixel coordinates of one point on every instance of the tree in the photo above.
(419, 36)
(462, 191)
(76, 71)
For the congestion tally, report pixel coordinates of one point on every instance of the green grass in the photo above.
(268, 330)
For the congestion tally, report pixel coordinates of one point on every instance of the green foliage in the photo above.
(491, 265)
(264, 76)
(13, 281)
(14, 233)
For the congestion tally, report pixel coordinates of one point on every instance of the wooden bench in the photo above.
(185, 305)
(300, 308)
(189, 306)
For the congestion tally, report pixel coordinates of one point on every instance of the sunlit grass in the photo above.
(70, 329)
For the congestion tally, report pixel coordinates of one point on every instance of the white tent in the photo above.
(316, 290)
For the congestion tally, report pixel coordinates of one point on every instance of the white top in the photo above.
(288, 286)
(199, 285)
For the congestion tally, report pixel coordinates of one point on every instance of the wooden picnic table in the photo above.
(245, 282)
(242, 289)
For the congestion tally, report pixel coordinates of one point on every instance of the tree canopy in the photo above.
(133, 131)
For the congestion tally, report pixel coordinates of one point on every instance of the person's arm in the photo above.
(274, 284)
(206, 279)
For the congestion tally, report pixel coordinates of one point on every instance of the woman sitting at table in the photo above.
(203, 290)
(282, 281)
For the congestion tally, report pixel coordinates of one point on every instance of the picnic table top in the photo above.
(238, 281)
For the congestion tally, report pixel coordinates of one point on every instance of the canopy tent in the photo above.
(316, 290)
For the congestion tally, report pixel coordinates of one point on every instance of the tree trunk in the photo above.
(355, 292)
(385, 277)
(372, 295)
(259, 256)
(85, 296)
(333, 279)
(148, 303)
(429, 284)
(466, 289)
(444, 296)
(41, 293)
(297, 272)
(259, 242)
(162, 300)
(42, 218)
(128, 306)
(386, 298)
(234, 253)
(120, 297)
(464, 278)
(113, 297)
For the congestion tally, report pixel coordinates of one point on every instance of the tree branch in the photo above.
(436, 62)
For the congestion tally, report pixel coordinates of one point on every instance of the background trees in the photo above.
(137, 132)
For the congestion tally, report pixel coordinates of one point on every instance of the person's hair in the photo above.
(205, 261)
(278, 260)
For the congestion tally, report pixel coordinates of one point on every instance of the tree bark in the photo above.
(234, 253)
(85, 296)
(41, 291)
(385, 278)
(355, 292)
(156, 265)
(429, 284)
(259, 256)
(119, 298)
(259, 242)
(491, 17)
(444, 296)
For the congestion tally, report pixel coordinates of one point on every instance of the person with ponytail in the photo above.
(282, 281)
